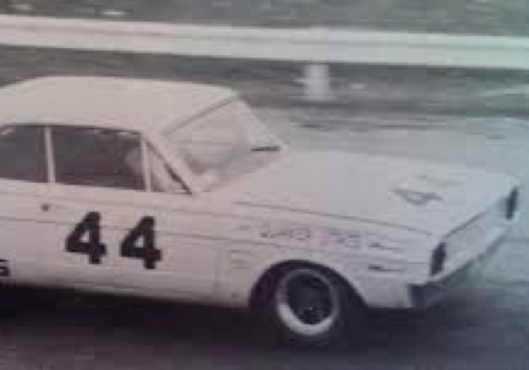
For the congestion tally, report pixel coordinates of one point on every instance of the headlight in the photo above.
(438, 260)
(513, 202)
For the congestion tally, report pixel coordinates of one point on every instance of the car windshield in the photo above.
(225, 142)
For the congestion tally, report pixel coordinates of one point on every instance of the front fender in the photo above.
(240, 272)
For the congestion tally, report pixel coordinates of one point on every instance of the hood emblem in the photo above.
(417, 197)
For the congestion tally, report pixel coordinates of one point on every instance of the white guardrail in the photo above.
(315, 49)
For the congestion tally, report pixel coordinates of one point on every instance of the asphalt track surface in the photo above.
(479, 119)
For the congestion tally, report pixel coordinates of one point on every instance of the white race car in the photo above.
(178, 191)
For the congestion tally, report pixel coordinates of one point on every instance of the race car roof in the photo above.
(134, 104)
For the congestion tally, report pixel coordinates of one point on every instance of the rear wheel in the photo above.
(310, 306)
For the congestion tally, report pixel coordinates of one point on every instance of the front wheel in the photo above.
(310, 306)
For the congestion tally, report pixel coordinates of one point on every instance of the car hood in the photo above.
(420, 196)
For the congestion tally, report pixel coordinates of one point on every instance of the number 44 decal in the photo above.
(139, 243)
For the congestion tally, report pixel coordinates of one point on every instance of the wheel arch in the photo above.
(273, 272)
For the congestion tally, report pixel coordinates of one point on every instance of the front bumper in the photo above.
(427, 295)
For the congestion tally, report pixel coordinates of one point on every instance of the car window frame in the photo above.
(148, 147)
(180, 170)
(145, 143)
(53, 166)
(175, 162)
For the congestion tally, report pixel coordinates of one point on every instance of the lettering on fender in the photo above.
(305, 235)
(347, 239)
(276, 232)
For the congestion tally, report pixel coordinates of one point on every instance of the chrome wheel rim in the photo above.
(307, 302)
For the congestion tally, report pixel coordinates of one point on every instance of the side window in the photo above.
(23, 153)
(163, 179)
(98, 157)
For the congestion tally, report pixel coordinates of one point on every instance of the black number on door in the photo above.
(86, 239)
(140, 243)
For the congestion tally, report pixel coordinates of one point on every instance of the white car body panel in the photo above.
(374, 221)
(109, 102)
(188, 267)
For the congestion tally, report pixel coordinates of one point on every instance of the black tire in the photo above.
(310, 306)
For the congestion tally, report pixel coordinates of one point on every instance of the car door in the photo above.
(23, 186)
(167, 251)
(116, 232)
